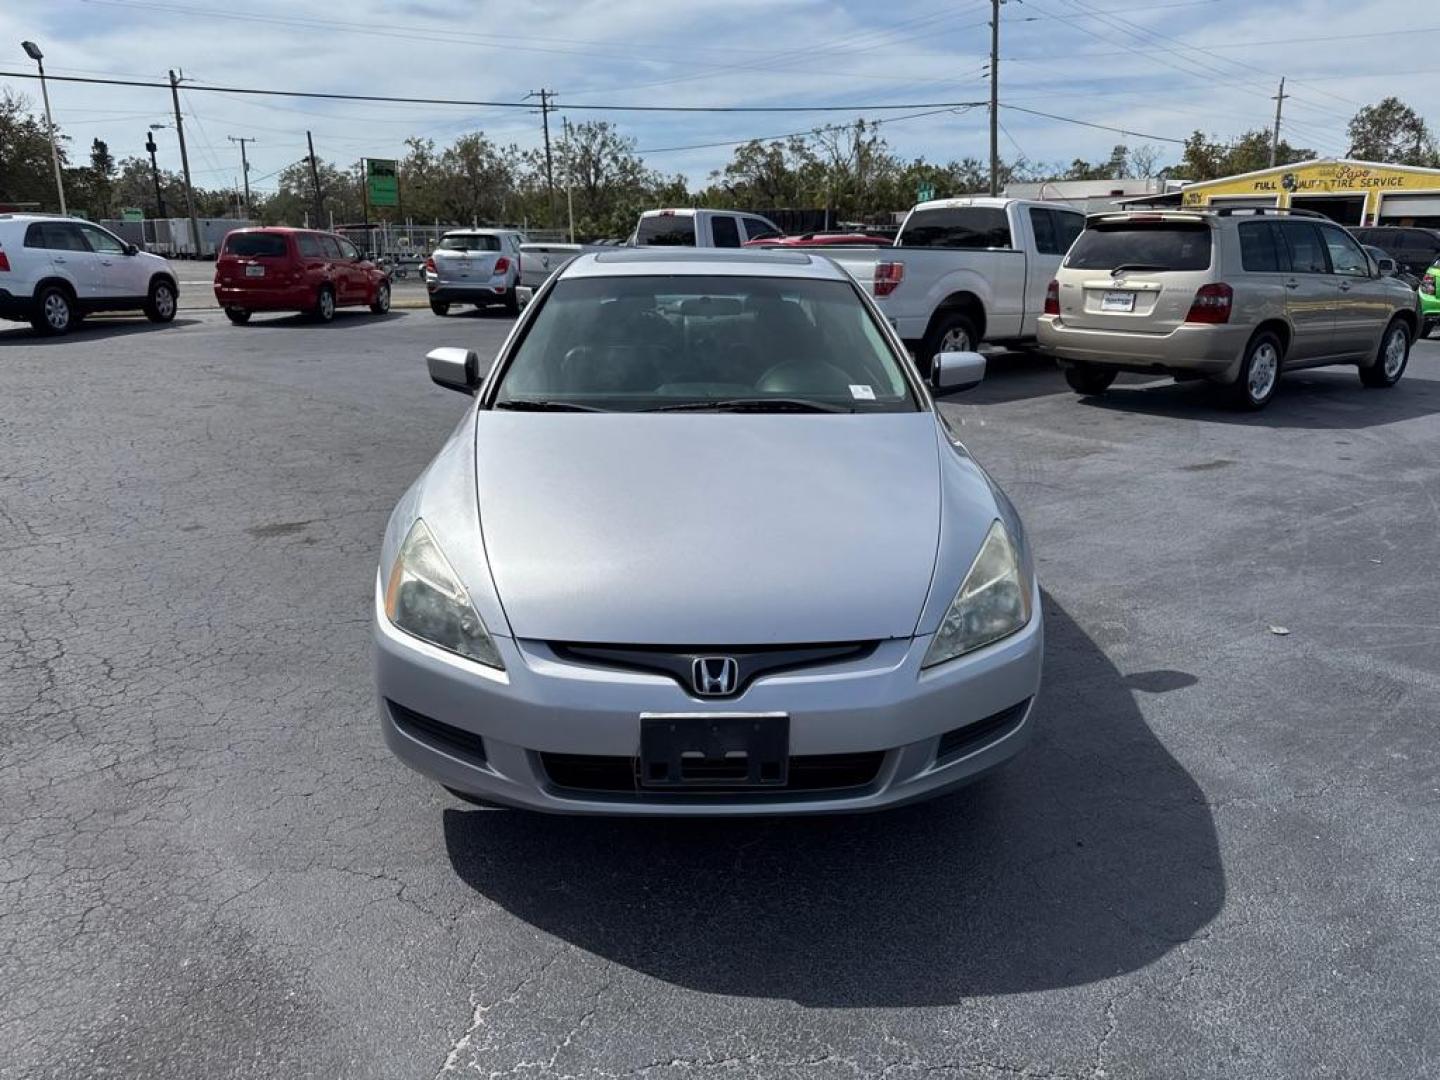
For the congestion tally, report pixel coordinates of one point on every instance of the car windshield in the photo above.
(470, 243)
(726, 343)
(252, 245)
(1166, 245)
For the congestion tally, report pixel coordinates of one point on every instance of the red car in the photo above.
(821, 240)
(280, 269)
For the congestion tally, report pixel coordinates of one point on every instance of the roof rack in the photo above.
(1227, 211)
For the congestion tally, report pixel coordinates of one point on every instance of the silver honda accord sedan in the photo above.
(703, 545)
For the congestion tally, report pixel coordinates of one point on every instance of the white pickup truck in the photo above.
(966, 270)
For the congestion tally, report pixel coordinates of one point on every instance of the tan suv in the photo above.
(1231, 296)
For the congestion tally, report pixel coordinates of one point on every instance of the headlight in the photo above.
(425, 598)
(993, 601)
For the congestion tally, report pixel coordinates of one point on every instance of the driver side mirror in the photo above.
(454, 369)
(951, 372)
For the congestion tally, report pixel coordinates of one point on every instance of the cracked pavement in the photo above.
(1217, 859)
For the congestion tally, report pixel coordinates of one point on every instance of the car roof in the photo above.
(637, 262)
(476, 232)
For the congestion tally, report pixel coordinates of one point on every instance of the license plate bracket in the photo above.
(1117, 301)
(254, 270)
(714, 750)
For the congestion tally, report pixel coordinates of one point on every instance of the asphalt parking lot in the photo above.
(1218, 858)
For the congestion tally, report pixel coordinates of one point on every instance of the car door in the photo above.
(72, 257)
(350, 273)
(120, 276)
(724, 231)
(1311, 291)
(1362, 306)
(314, 263)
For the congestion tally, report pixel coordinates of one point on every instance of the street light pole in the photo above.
(33, 51)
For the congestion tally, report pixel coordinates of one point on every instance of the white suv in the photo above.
(54, 270)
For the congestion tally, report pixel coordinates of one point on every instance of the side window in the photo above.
(309, 245)
(347, 249)
(329, 247)
(725, 231)
(1042, 223)
(1307, 251)
(1346, 255)
(1068, 228)
(756, 228)
(35, 235)
(1259, 252)
(102, 242)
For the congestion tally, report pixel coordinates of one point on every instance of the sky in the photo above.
(1156, 70)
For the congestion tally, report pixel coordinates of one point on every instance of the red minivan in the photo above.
(280, 269)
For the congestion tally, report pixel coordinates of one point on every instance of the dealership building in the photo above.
(1350, 192)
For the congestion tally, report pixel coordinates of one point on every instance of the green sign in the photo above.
(382, 185)
(131, 213)
(924, 193)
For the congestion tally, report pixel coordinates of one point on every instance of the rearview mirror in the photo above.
(951, 372)
(454, 369)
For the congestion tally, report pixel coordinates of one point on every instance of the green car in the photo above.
(1430, 301)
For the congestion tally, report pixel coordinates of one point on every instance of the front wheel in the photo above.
(1087, 380)
(1390, 362)
(160, 304)
(324, 309)
(1259, 373)
(439, 307)
(238, 315)
(951, 333)
(382, 299)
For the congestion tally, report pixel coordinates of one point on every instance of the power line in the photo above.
(1087, 123)
(315, 94)
(798, 134)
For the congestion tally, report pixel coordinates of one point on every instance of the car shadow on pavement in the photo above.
(1092, 855)
(1019, 376)
(344, 320)
(1325, 399)
(90, 330)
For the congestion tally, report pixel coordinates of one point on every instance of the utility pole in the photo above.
(155, 173)
(545, 110)
(244, 166)
(315, 179)
(995, 96)
(1275, 135)
(569, 176)
(185, 165)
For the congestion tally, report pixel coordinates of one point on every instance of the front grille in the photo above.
(972, 737)
(809, 773)
(438, 736)
(677, 661)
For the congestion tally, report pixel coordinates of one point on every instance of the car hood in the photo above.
(709, 529)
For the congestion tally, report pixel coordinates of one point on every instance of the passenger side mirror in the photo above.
(131, 249)
(951, 372)
(454, 369)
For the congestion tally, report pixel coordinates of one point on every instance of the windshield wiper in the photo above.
(758, 405)
(1135, 268)
(542, 405)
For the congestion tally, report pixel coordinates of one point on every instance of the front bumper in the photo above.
(1198, 348)
(882, 704)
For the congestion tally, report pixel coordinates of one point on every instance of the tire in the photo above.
(951, 333)
(238, 315)
(382, 299)
(160, 305)
(55, 311)
(1391, 360)
(512, 301)
(324, 309)
(1259, 373)
(439, 307)
(1088, 380)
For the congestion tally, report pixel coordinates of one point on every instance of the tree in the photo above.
(1205, 159)
(1393, 132)
(26, 175)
